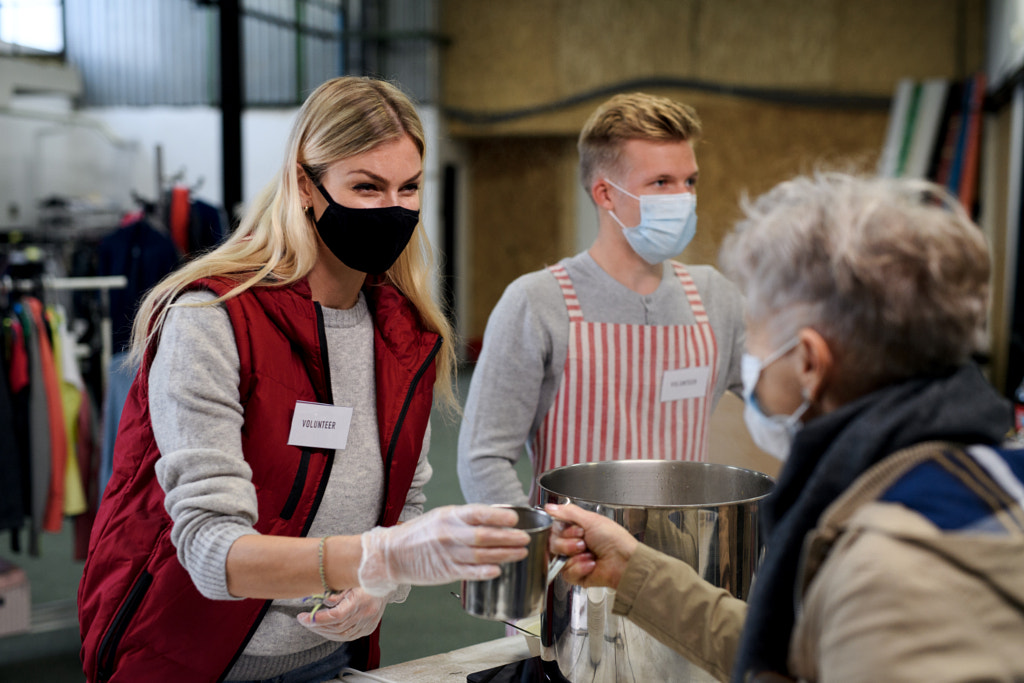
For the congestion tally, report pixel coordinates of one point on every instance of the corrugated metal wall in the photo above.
(166, 52)
(137, 52)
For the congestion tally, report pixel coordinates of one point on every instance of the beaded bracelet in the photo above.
(320, 599)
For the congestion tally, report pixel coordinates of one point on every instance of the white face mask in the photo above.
(667, 224)
(772, 433)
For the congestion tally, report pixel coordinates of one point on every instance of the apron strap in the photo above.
(572, 302)
(692, 295)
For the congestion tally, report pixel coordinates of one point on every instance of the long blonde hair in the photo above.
(275, 243)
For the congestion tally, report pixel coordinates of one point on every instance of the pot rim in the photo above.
(606, 464)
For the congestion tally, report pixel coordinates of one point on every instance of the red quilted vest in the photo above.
(140, 615)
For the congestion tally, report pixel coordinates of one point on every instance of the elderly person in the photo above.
(896, 531)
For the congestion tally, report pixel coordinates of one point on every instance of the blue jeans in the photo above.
(325, 669)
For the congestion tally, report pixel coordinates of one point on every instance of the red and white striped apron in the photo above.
(609, 405)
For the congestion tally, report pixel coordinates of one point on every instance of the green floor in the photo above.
(429, 622)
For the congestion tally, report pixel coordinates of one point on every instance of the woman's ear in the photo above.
(305, 187)
(816, 364)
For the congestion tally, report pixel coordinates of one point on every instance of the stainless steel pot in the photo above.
(702, 513)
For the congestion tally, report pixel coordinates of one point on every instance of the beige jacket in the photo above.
(889, 597)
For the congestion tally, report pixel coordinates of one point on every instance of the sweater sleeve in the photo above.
(415, 499)
(724, 304)
(414, 502)
(665, 597)
(197, 421)
(512, 388)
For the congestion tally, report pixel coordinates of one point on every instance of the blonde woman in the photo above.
(277, 431)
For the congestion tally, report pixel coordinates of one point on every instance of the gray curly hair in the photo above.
(893, 273)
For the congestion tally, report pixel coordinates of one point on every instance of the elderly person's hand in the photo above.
(444, 545)
(609, 547)
(566, 539)
(351, 615)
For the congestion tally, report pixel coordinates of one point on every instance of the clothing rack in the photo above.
(102, 284)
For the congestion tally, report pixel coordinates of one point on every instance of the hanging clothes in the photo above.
(178, 217)
(207, 226)
(18, 381)
(58, 447)
(144, 255)
(88, 453)
(37, 419)
(119, 382)
(12, 511)
(71, 390)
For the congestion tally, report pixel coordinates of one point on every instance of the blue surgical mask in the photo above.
(772, 433)
(667, 224)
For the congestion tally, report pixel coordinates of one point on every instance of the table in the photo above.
(447, 667)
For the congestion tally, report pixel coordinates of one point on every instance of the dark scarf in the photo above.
(828, 454)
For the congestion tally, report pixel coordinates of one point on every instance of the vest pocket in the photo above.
(110, 642)
(298, 484)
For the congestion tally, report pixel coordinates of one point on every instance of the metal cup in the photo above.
(519, 591)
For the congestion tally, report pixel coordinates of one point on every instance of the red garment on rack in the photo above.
(54, 516)
(179, 217)
(17, 375)
(89, 469)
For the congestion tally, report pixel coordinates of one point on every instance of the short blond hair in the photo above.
(893, 273)
(631, 116)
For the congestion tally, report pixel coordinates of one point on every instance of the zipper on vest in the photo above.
(298, 484)
(325, 362)
(108, 646)
(401, 419)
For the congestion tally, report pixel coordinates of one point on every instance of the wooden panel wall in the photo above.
(522, 213)
(547, 55)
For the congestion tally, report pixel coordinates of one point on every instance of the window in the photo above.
(34, 24)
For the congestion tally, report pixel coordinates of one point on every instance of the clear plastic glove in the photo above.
(348, 616)
(452, 543)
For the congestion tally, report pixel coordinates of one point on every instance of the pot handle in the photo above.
(556, 566)
(557, 563)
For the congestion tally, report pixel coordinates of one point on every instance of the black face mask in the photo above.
(367, 240)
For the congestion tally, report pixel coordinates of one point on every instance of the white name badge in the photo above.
(677, 385)
(318, 425)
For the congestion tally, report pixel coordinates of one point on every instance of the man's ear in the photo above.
(600, 192)
(816, 363)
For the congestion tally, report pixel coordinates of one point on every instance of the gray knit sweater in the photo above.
(197, 420)
(525, 345)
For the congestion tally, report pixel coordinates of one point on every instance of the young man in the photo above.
(618, 352)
